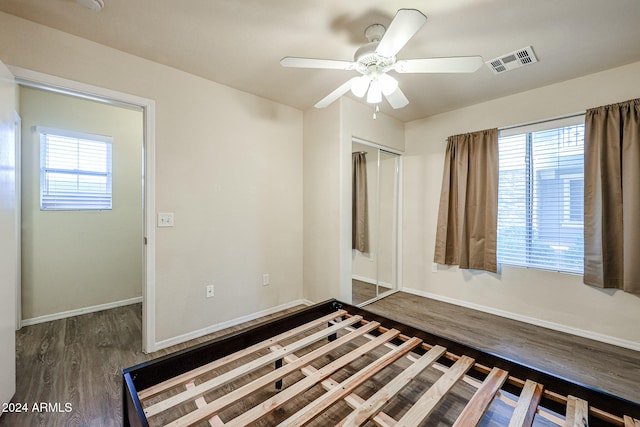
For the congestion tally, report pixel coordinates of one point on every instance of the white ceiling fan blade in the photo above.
(397, 99)
(332, 64)
(341, 90)
(459, 64)
(405, 24)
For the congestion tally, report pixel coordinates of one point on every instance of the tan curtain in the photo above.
(612, 196)
(468, 212)
(360, 226)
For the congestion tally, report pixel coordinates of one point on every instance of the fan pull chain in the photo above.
(376, 110)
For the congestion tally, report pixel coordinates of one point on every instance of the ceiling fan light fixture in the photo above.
(360, 86)
(388, 84)
(374, 96)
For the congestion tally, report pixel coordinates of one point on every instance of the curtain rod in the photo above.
(582, 113)
(359, 152)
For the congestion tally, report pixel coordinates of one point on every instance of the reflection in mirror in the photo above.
(375, 223)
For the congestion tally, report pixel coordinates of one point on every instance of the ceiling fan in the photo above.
(376, 58)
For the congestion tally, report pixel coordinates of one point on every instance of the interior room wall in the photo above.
(322, 183)
(551, 299)
(228, 165)
(328, 136)
(78, 259)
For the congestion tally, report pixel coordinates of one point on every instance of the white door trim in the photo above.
(17, 122)
(148, 106)
(8, 223)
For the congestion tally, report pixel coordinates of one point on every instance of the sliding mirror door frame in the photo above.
(369, 264)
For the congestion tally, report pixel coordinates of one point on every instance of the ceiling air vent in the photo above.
(513, 60)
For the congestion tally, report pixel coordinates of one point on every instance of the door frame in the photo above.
(17, 123)
(148, 106)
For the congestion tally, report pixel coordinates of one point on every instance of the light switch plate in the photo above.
(165, 219)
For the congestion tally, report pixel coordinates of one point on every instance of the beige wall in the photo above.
(328, 135)
(357, 121)
(322, 183)
(77, 259)
(228, 164)
(559, 299)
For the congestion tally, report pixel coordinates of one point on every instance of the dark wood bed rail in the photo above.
(557, 394)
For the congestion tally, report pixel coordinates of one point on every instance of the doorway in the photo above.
(375, 257)
(81, 210)
(145, 177)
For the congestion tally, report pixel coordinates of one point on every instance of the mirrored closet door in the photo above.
(375, 201)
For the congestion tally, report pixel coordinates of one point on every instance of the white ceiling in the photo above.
(239, 42)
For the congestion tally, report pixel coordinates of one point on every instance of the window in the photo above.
(541, 196)
(75, 170)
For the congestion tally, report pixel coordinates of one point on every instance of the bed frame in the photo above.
(367, 368)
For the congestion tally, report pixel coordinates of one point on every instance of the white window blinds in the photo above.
(75, 170)
(541, 196)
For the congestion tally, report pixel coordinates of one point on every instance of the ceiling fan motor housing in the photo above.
(368, 60)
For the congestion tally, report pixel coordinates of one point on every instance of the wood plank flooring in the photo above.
(592, 363)
(362, 291)
(79, 360)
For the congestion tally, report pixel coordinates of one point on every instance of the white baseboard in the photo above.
(229, 323)
(531, 320)
(79, 311)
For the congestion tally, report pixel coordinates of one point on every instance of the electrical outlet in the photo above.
(165, 219)
(265, 279)
(434, 267)
(209, 291)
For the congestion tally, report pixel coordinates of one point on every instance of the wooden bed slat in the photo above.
(528, 402)
(481, 400)
(232, 397)
(428, 401)
(245, 369)
(355, 328)
(353, 400)
(346, 387)
(630, 422)
(577, 412)
(214, 421)
(301, 386)
(188, 376)
(375, 403)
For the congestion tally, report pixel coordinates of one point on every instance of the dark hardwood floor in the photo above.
(362, 291)
(74, 367)
(78, 361)
(595, 364)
